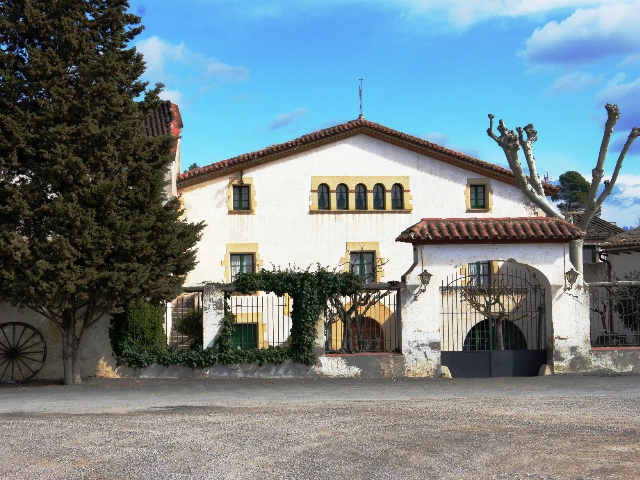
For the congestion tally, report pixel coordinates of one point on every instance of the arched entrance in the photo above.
(493, 321)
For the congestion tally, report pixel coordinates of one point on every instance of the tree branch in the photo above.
(527, 148)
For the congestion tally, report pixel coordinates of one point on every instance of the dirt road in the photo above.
(559, 427)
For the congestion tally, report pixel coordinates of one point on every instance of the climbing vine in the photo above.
(310, 292)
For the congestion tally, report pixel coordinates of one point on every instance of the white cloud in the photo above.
(174, 95)
(627, 97)
(574, 82)
(285, 119)
(167, 62)
(588, 35)
(459, 13)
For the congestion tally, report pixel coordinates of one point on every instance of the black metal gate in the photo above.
(493, 324)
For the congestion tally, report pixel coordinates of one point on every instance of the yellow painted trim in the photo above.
(255, 317)
(369, 182)
(365, 247)
(488, 192)
(240, 248)
(235, 181)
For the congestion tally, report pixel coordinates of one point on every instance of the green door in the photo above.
(245, 336)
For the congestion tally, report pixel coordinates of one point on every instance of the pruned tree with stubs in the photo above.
(531, 185)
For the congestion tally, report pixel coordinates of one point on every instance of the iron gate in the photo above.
(493, 324)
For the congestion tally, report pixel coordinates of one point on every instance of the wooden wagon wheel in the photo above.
(22, 352)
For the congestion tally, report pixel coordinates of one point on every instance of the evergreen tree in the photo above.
(574, 190)
(84, 223)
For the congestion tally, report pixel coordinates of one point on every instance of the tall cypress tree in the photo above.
(84, 223)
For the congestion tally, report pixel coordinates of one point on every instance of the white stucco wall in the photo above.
(567, 310)
(96, 356)
(623, 264)
(287, 233)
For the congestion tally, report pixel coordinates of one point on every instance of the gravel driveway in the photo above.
(558, 427)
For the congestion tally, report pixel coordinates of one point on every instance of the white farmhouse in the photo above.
(336, 197)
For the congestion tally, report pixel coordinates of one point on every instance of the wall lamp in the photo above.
(570, 277)
(425, 278)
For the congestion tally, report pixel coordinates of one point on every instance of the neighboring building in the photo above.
(166, 120)
(337, 197)
(623, 253)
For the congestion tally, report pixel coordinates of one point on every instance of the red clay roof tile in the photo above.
(354, 127)
(490, 230)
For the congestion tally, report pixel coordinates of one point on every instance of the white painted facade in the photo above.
(288, 233)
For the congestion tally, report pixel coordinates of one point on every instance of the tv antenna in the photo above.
(360, 91)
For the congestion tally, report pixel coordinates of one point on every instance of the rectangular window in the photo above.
(477, 196)
(241, 197)
(245, 336)
(589, 254)
(479, 274)
(363, 264)
(241, 263)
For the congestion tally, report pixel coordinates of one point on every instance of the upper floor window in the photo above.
(323, 197)
(241, 197)
(477, 197)
(378, 197)
(363, 264)
(397, 197)
(361, 197)
(241, 263)
(342, 197)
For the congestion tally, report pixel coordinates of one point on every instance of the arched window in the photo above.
(342, 197)
(323, 197)
(397, 194)
(361, 197)
(378, 196)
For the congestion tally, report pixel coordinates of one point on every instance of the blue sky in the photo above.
(250, 73)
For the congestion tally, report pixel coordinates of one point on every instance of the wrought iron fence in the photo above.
(615, 314)
(502, 311)
(365, 322)
(175, 325)
(261, 321)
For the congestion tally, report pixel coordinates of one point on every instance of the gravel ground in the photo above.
(560, 427)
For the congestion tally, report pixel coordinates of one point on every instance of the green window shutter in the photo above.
(241, 197)
(477, 196)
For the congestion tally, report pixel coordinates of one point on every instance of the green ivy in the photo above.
(310, 291)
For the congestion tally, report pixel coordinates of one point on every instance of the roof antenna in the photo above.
(361, 116)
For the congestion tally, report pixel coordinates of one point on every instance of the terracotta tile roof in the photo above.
(164, 120)
(598, 229)
(344, 130)
(629, 240)
(490, 230)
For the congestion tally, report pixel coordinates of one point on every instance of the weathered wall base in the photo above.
(360, 366)
(606, 360)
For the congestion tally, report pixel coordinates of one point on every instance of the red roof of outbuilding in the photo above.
(345, 130)
(490, 230)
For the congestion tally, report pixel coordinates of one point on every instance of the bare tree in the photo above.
(532, 187)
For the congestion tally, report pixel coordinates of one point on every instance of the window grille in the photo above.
(476, 196)
(241, 197)
(361, 197)
(323, 197)
(397, 201)
(378, 197)
(342, 197)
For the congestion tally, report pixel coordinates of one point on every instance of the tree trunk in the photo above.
(499, 336)
(70, 350)
(575, 254)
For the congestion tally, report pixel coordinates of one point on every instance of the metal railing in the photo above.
(261, 321)
(615, 313)
(365, 322)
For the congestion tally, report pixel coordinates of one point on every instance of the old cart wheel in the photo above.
(22, 352)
